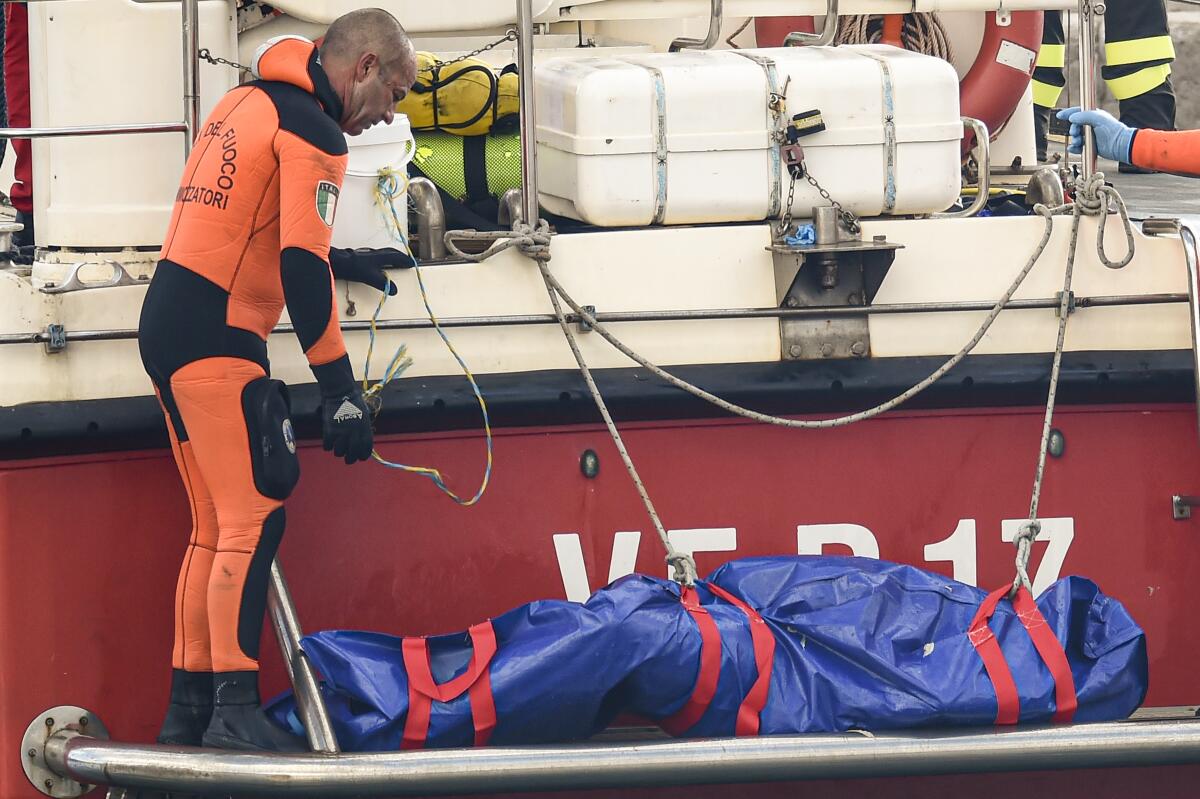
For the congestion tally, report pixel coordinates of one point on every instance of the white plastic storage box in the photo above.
(358, 220)
(690, 137)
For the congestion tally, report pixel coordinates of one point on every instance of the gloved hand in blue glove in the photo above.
(366, 266)
(1114, 139)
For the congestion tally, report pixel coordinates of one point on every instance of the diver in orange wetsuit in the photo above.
(250, 232)
(1176, 151)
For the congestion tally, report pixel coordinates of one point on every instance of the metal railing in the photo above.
(624, 765)
(822, 39)
(190, 25)
(529, 193)
(1087, 79)
(311, 707)
(715, 14)
(984, 143)
(612, 317)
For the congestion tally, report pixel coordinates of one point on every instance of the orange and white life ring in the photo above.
(993, 86)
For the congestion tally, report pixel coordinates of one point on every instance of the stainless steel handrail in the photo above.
(1122, 300)
(529, 190)
(1193, 275)
(93, 130)
(623, 765)
(432, 216)
(822, 39)
(509, 212)
(309, 703)
(191, 72)
(715, 13)
(189, 10)
(983, 141)
(1087, 81)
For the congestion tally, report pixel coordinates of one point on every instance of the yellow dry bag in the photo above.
(464, 97)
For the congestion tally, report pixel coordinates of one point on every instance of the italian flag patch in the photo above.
(327, 197)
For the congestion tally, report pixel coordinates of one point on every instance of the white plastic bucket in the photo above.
(359, 222)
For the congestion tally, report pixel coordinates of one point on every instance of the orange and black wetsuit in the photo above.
(1176, 151)
(250, 231)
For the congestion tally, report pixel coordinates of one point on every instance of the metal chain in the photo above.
(509, 36)
(848, 219)
(787, 214)
(217, 60)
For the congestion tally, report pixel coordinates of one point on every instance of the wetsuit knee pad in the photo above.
(272, 439)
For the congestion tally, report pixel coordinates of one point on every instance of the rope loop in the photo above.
(683, 567)
(1026, 535)
(1093, 198)
(530, 240)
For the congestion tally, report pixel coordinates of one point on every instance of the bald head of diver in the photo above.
(371, 65)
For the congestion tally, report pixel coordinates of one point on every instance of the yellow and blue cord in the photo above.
(392, 184)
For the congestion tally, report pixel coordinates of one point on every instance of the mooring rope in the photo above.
(1093, 198)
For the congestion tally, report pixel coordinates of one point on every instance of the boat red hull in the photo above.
(89, 545)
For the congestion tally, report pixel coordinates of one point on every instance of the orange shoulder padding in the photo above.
(1168, 151)
(287, 60)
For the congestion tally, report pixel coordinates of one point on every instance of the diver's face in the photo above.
(374, 91)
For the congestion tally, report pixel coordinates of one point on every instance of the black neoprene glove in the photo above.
(346, 423)
(366, 266)
(345, 420)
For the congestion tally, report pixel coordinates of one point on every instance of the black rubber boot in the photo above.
(190, 709)
(24, 237)
(1041, 132)
(238, 721)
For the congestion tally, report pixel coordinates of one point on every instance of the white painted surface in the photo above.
(977, 259)
(417, 16)
(811, 539)
(703, 539)
(114, 62)
(654, 270)
(959, 549)
(678, 9)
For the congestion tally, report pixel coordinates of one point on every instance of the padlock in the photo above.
(793, 159)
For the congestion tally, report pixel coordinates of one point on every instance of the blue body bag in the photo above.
(763, 646)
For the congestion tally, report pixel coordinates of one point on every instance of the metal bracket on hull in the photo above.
(839, 270)
(1181, 506)
(56, 339)
(74, 282)
(33, 748)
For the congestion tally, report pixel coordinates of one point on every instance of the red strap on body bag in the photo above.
(1008, 703)
(710, 666)
(423, 691)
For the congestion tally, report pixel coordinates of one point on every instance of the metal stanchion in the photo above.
(191, 72)
(309, 703)
(529, 194)
(1088, 10)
